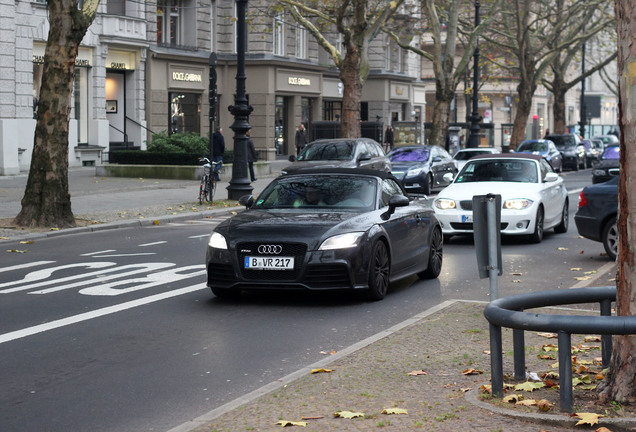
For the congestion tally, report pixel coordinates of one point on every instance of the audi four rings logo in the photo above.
(270, 249)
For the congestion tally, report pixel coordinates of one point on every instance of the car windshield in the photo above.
(338, 192)
(336, 150)
(465, 155)
(532, 146)
(611, 153)
(409, 155)
(562, 141)
(518, 170)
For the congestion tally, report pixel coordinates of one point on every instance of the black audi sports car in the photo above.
(325, 229)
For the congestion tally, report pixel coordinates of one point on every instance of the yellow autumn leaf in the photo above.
(528, 402)
(576, 269)
(513, 398)
(417, 372)
(590, 272)
(285, 423)
(4, 238)
(588, 418)
(529, 386)
(486, 388)
(562, 248)
(54, 229)
(548, 335)
(155, 222)
(348, 414)
(592, 339)
(472, 372)
(16, 250)
(321, 370)
(27, 242)
(544, 405)
(391, 411)
(583, 278)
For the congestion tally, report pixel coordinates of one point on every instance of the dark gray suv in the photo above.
(571, 148)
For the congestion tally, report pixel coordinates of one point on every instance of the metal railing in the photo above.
(509, 312)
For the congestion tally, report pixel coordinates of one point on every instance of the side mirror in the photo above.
(448, 177)
(395, 201)
(247, 201)
(364, 157)
(550, 177)
(292, 158)
(436, 159)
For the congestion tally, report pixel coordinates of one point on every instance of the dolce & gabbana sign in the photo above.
(298, 81)
(185, 76)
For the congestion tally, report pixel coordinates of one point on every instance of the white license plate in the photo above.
(467, 218)
(269, 263)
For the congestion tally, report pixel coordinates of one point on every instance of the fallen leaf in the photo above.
(528, 402)
(4, 238)
(417, 372)
(16, 250)
(321, 370)
(602, 429)
(516, 281)
(576, 269)
(517, 274)
(583, 278)
(592, 339)
(312, 417)
(562, 248)
(590, 272)
(550, 383)
(466, 389)
(390, 411)
(529, 386)
(588, 418)
(27, 242)
(486, 388)
(513, 398)
(544, 405)
(348, 414)
(285, 423)
(549, 335)
(54, 229)
(546, 357)
(472, 372)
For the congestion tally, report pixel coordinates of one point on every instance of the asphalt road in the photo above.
(116, 331)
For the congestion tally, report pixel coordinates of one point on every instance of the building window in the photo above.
(80, 97)
(301, 42)
(279, 35)
(175, 23)
(185, 112)
(331, 110)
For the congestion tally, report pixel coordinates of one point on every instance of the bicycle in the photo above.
(208, 181)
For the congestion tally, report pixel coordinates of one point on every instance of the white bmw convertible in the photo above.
(533, 196)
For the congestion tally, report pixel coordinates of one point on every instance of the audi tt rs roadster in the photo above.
(325, 229)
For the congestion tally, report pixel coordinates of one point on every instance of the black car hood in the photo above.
(291, 225)
(319, 164)
(607, 163)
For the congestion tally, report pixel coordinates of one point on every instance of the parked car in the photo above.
(464, 154)
(592, 154)
(421, 169)
(534, 197)
(598, 145)
(340, 152)
(571, 148)
(608, 140)
(545, 148)
(608, 166)
(596, 217)
(325, 229)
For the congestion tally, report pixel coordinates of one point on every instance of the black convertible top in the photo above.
(508, 156)
(347, 171)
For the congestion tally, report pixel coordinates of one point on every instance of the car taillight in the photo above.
(582, 200)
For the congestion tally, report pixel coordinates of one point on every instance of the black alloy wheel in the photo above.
(537, 236)
(610, 238)
(562, 227)
(379, 270)
(429, 184)
(435, 256)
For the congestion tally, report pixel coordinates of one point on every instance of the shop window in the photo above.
(185, 112)
(175, 23)
(80, 99)
(331, 110)
(279, 35)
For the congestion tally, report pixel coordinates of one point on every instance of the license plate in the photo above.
(467, 218)
(269, 263)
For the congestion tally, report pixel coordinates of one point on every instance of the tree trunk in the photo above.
(559, 89)
(525, 90)
(352, 93)
(441, 117)
(46, 201)
(620, 383)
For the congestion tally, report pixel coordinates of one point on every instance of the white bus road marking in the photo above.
(153, 244)
(199, 236)
(46, 273)
(27, 265)
(126, 255)
(99, 252)
(19, 334)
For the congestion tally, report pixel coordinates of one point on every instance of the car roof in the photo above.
(346, 171)
(508, 156)
(336, 140)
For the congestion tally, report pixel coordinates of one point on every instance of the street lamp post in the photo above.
(583, 107)
(240, 184)
(475, 118)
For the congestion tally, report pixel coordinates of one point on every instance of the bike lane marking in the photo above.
(30, 331)
(27, 265)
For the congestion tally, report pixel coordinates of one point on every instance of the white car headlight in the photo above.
(415, 172)
(517, 204)
(217, 241)
(342, 241)
(445, 204)
(599, 172)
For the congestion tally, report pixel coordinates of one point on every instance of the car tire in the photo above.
(576, 164)
(537, 235)
(224, 293)
(435, 256)
(429, 184)
(562, 227)
(583, 163)
(609, 237)
(379, 270)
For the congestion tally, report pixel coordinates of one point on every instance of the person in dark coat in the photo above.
(218, 148)
(252, 156)
(301, 138)
(388, 139)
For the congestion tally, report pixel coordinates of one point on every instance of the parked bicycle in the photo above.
(208, 181)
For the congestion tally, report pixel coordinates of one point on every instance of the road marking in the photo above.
(126, 255)
(199, 236)
(30, 331)
(99, 252)
(600, 272)
(46, 273)
(575, 191)
(27, 265)
(205, 222)
(152, 244)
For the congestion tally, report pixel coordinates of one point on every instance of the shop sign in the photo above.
(83, 58)
(298, 81)
(399, 91)
(120, 60)
(186, 77)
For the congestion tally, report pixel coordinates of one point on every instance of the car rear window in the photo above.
(532, 147)
(409, 155)
(338, 150)
(562, 141)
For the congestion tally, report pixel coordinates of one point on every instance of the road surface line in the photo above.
(30, 331)
(27, 265)
(153, 244)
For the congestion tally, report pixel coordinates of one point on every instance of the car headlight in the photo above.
(217, 241)
(445, 204)
(415, 172)
(341, 241)
(517, 204)
(599, 172)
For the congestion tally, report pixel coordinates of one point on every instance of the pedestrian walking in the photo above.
(301, 138)
(252, 156)
(218, 148)
(388, 139)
